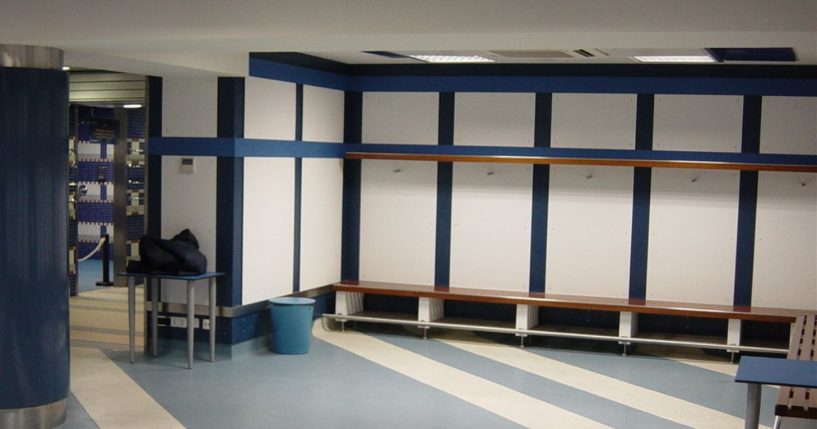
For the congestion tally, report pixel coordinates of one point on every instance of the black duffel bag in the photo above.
(178, 256)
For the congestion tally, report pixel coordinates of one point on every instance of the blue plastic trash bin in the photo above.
(291, 325)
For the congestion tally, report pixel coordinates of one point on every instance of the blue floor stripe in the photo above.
(594, 407)
(329, 387)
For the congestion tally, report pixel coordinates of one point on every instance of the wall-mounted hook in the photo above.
(396, 170)
(694, 179)
(490, 173)
(589, 176)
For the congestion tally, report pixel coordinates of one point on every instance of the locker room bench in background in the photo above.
(431, 299)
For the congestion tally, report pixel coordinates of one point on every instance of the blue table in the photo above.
(756, 371)
(191, 304)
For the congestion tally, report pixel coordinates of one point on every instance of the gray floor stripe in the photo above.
(591, 406)
(669, 377)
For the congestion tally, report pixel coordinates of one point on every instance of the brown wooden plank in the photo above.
(708, 165)
(571, 301)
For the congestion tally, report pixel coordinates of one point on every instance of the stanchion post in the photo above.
(106, 262)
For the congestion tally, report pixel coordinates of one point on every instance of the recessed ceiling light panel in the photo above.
(438, 58)
(674, 58)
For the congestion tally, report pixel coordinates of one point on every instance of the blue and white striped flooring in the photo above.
(389, 378)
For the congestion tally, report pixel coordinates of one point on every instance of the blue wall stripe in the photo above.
(296, 74)
(600, 85)
(153, 189)
(230, 117)
(230, 192)
(226, 147)
(350, 236)
(299, 131)
(642, 183)
(747, 204)
(540, 195)
(445, 176)
(468, 79)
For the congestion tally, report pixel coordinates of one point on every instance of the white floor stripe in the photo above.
(729, 369)
(110, 397)
(650, 401)
(498, 399)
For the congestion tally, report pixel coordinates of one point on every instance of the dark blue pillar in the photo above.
(34, 354)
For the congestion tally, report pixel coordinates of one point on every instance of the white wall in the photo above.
(490, 226)
(189, 106)
(589, 230)
(708, 123)
(400, 117)
(321, 221)
(593, 121)
(789, 125)
(494, 119)
(398, 221)
(269, 109)
(189, 201)
(323, 114)
(269, 210)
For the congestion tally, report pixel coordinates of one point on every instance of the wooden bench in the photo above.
(799, 402)
(349, 307)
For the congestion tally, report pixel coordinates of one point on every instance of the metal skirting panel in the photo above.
(44, 416)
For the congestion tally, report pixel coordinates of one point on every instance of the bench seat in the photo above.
(800, 402)
(349, 307)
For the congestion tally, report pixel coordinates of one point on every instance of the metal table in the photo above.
(756, 371)
(154, 280)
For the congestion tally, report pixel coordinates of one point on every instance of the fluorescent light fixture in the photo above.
(66, 68)
(451, 58)
(674, 58)
(132, 106)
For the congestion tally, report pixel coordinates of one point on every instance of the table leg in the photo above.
(752, 406)
(132, 318)
(154, 315)
(212, 316)
(191, 305)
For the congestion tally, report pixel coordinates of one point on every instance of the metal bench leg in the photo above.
(191, 305)
(776, 424)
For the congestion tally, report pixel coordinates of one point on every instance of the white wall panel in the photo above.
(494, 119)
(400, 117)
(785, 270)
(189, 201)
(189, 106)
(490, 226)
(593, 121)
(323, 114)
(707, 123)
(589, 230)
(269, 224)
(693, 226)
(398, 221)
(269, 109)
(321, 215)
(789, 125)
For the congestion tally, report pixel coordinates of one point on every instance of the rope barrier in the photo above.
(102, 241)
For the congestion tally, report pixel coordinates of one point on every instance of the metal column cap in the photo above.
(37, 57)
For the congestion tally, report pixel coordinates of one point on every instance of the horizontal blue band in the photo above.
(296, 74)
(545, 84)
(239, 147)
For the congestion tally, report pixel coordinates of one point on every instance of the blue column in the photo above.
(34, 354)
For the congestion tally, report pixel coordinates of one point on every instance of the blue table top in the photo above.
(781, 372)
(206, 275)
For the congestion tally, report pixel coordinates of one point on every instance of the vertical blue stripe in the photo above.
(299, 133)
(445, 175)
(230, 194)
(747, 204)
(153, 190)
(541, 195)
(642, 182)
(350, 235)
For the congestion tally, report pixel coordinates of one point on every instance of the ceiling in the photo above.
(160, 37)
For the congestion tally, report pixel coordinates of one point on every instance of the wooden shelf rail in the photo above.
(611, 162)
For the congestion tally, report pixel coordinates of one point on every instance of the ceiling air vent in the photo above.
(541, 54)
